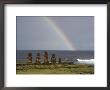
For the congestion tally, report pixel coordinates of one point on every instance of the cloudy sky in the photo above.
(55, 33)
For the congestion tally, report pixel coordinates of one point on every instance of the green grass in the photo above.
(55, 69)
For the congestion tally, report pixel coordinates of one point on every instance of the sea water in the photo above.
(68, 56)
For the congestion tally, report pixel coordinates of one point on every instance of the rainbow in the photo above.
(60, 33)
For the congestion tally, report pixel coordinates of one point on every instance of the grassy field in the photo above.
(55, 69)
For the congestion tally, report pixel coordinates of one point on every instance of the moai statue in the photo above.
(59, 61)
(38, 58)
(53, 59)
(46, 58)
(29, 57)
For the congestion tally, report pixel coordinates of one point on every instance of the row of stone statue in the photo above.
(46, 60)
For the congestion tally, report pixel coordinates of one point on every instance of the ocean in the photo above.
(64, 55)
